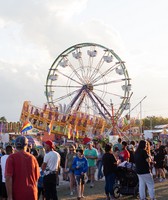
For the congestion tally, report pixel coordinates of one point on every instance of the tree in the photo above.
(152, 121)
(3, 119)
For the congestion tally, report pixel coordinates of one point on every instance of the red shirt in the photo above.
(24, 170)
(125, 155)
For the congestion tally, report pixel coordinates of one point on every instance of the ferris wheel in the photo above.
(89, 78)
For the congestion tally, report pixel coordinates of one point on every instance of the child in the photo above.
(40, 185)
(80, 166)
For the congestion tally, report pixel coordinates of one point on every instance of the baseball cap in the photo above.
(50, 144)
(21, 141)
(90, 142)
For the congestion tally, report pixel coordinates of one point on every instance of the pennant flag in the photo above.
(102, 129)
(75, 132)
(49, 127)
(26, 127)
(69, 131)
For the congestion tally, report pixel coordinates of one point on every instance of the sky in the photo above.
(33, 33)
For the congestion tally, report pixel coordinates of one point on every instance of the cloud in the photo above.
(33, 34)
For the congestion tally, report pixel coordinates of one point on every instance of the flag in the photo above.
(102, 129)
(75, 132)
(69, 131)
(26, 127)
(49, 127)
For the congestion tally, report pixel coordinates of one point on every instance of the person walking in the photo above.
(80, 166)
(91, 154)
(118, 145)
(109, 169)
(124, 154)
(99, 163)
(50, 166)
(143, 171)
(9, 150)
(21, 172)
(161, 163)
(68, 166)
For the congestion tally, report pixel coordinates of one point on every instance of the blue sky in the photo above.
(34, 33)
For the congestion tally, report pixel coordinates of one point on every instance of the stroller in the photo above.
(127, 182)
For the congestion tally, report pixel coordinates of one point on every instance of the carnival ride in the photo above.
(87, 90)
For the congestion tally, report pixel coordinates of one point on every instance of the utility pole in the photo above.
(141, 114)
(140, 103)
(112, 118)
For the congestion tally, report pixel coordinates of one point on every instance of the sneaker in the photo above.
(164, 179)
(112, 197)
(82, 197)
(91, 185)
(71, 193)
(161, 180)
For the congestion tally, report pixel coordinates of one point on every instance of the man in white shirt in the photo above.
(9, 150)
(50, 167)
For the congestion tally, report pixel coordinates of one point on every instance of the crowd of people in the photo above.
(28, 173)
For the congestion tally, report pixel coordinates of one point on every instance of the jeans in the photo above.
(109, 183)
(49, 182)
(146, 180)
(99, 167)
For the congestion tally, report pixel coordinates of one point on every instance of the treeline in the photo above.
(152, 121)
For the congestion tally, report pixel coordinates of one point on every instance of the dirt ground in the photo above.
(97, 193)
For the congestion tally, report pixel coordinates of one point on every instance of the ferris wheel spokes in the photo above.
(69, 77)
(97, 105)
(105, 73)
(106, 57)
(65, 96)
(117, 95)
(113, 81)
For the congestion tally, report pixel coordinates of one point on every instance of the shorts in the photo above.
(3, 189)
(80, 179)
(71, 171)
(91, 170)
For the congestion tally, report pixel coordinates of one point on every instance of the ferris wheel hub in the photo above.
(89, 87)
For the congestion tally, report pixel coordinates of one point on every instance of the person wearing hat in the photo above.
(21, 172)
(50, 166)
(92, 155)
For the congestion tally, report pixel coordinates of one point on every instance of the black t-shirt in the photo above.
(132, 159)
(109, 164)
(142, 166)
